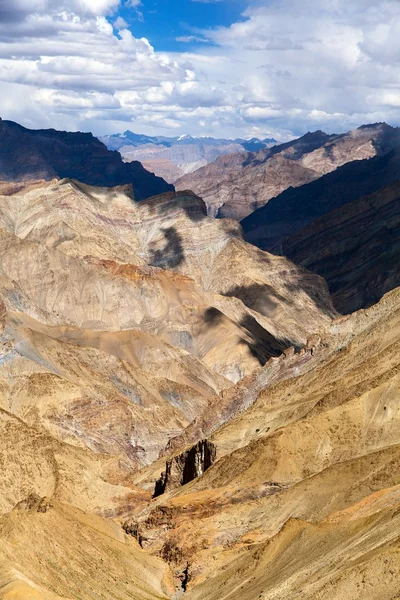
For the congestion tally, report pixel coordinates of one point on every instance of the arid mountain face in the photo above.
(302, 500)
(44, 154)
(121, 324)
(355, 248)
(185, 415)
(342, 226)
(135, 316)
(171, 158)
(236, 185)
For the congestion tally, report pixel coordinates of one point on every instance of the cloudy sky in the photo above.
(204, 67)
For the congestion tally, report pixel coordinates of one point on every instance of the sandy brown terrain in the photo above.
(183, 415)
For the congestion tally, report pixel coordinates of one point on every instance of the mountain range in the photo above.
(27, 154)
(172, 157)
(234, 186)
(193, 407)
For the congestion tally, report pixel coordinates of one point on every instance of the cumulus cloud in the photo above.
(283, 69)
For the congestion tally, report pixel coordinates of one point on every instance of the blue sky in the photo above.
(228, 68)
(163, 22)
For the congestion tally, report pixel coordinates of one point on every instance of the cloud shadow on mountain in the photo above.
(261, 343)
(172, 254)
(259, 297)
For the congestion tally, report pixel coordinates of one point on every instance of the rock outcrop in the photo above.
(186, 467)
(27, 154)
(235, 186)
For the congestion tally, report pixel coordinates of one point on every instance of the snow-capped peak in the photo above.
(185, 136)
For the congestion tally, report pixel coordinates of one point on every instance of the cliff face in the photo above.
(294, 209)
(237, 185)
(186, 467)
(355, 248)
(44, 154)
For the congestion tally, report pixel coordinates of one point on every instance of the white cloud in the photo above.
(187, 39)
(120, 23)
(284, 68)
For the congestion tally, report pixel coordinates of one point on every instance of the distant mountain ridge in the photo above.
(234, 186)
(173, 157)
(296, 207)
(116, 141)
(27, 154)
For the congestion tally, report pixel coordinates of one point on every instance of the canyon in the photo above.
(196, 407)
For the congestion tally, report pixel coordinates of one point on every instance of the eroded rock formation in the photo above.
(142, 337)
(186, 467)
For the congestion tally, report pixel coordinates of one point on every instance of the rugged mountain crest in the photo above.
(27, 154)
(234, 186)
(173, 157)
(295, 209)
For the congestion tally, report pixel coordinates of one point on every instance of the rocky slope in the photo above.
(234, 186)
(135, 316)
(294, 209)
(53, 551)
(183, 415)
(44, 154)
(356, 249)
(172, 158)
(302, 499)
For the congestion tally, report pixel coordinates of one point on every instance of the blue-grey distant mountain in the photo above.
(27, 154)
(173, 157)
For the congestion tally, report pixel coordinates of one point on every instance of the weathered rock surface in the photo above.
(294, 209)
(146, 338)
(186, 467)
(46, 153)
(236, 185)
(108, 346)
(64, 553)
(355, 248)
(303, 499)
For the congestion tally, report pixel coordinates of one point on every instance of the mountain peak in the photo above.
(75, 155)
(185, 136)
